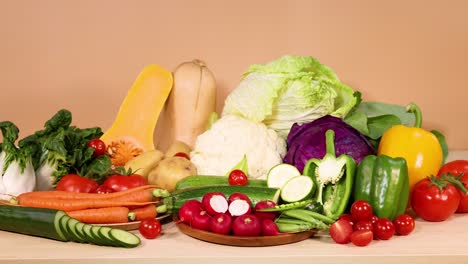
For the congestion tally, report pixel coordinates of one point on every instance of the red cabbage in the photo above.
(307, 141)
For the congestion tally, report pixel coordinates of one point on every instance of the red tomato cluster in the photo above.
(435, 199)
(362, 226)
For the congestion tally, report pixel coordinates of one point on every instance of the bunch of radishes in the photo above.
(230, 216)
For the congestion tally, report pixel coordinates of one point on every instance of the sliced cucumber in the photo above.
(63, 226)
(71, 227)
(100, 240)
(280, 174)
(124, 238)
(104, 232)
(297, 188)
(89, 235)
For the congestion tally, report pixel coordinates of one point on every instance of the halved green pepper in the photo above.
(334, 177)
(383, 182)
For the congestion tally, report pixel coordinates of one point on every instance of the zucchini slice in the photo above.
(280, 174)
(297, 188)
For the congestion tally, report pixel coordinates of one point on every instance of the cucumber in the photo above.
(205, 180)
(56, 224)
(124, 239)
(297, 188)
(256, 194)
(71, 227)
(280, 174)
(32, 221)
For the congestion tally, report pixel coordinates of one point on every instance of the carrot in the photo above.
(105, 215)
(75, 195)
(75, 204)
(140, 213)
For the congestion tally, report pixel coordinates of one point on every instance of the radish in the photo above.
(269, 228)
(239, 207)
(215, 203)
(221, 224)
(201, 221)
(264, 205)
(239, 196)
(247, 225)
(188, 210)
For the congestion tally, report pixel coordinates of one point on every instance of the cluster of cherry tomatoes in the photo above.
(361, 226)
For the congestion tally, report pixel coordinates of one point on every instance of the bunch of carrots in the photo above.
(133, 204)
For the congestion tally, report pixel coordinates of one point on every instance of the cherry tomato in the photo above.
(237, 177)
(361, 210)
(120, 183)
(457, 168)
(362, 225)
(347, 217)
(432, 203)
(361, 238)
(374, 219)
(99, 147)
(76, 183)
(383, 229)
(103, 189)
(182, 154)
(341, 231)
(404, 224)
(150, 228)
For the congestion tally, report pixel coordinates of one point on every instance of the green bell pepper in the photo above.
(383, 182)
(334, 177)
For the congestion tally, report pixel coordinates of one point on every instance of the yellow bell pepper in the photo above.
(420, 148)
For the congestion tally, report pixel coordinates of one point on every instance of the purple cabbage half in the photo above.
(307, 141)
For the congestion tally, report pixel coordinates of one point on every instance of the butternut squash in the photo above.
(192, 100)
(132, 132)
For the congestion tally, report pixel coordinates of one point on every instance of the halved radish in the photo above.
(239, 196)
(239, 207)
(215, 203)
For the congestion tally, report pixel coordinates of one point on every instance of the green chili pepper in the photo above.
(383, 182)
(334, 177)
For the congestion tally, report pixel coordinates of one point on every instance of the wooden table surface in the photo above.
(443, 242)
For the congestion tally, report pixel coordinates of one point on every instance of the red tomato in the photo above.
(123, 182)
(362, 225)
(361, 210)
(341, 231)
(404, 224)
(383, 229)
(182, 154)
(76, 183)
(347, 217)
(374, 219)
(150, 228)
(362, 238)
(237, 177)
(434, 203)
(457, 168)
(99, 147)
(103, 189)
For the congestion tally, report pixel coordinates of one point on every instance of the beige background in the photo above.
(84, 55)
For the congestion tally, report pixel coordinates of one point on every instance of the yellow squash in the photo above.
(132, 131)
(420, 148)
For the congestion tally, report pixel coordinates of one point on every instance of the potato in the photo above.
(169, 171)
(145, 162)
(177, 146)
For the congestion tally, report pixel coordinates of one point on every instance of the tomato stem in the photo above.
(455, 181)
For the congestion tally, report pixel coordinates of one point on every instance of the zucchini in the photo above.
(56, 224)
(280, 174)
(298, 188)
(206, 180)
(256, 194)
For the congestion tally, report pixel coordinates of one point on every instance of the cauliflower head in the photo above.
(220, 148)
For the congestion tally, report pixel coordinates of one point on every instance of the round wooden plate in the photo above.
(130, 225)
(257, 241)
